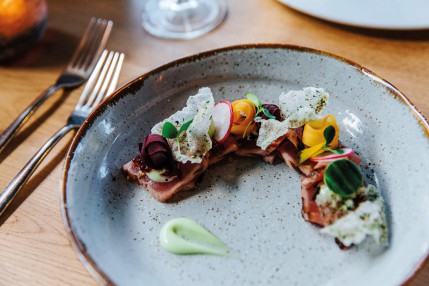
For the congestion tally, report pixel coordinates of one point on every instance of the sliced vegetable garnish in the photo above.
(313, 132)
(156, 152)
(307, 153)
(260, 110)
(223, 117)
(244, 112)
(329, 134)
(343, 177)
(339, 154)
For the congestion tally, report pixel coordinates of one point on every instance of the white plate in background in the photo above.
(378, 14)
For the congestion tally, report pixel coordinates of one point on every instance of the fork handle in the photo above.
(16, 184)
(25, 115)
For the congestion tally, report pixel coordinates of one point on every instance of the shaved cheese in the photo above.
(300, 106)
(368, 219)
(297, 108)
(269, 131)
(195, 142)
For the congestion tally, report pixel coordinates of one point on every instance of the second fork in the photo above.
(101, 84)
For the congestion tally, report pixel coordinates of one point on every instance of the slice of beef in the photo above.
(289, 153)
(311, 177)
(250, 149)
(310, 211)
(220, 150)
(132, 169)
(164, 191)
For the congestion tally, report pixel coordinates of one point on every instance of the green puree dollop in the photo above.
(185, 236)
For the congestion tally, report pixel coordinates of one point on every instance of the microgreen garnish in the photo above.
(184, 127)
(169, 130)
(343, 177)
(268, 114)
(329, 134)
(259, 109)
(253, 98)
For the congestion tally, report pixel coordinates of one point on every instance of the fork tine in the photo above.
(97, 44)
(91, 81)
(83, 42)
(110, 82)
(103, 90)
(91, 45)
(115, 78)
(101, 76)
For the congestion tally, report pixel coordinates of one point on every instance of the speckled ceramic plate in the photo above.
(380, 14)
(253, 207)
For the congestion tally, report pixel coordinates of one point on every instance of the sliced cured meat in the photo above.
(269, 159)
(289, 153)
(220, 150)
(273, 146)
(311, 178)
(250, 149)
(189, 173)
(132, 169)
(310, 211)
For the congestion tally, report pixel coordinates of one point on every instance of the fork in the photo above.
(101, 84)
(75, 73)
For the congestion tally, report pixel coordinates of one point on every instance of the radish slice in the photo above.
(346, 152)
(222, 120)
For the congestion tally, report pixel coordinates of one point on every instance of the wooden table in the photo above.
(34, 247)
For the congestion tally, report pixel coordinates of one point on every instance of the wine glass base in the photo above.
(182, 19)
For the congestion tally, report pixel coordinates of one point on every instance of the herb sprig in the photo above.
(259, 108)
(169, 131)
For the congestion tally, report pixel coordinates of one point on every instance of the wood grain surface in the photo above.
(34, 247)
